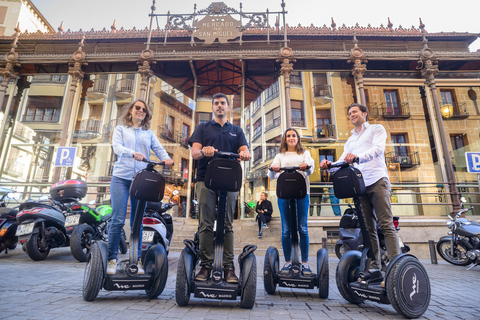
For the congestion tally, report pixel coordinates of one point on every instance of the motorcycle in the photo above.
(87, 225)
(157, 225)
(351, 238)
(462, 245)
(8, 224)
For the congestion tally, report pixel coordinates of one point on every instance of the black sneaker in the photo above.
(374, 275)
(306, 269)
(286, 268)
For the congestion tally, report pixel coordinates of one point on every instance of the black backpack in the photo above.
(148, 186)
(223, 175)
(348, 183)
(291, 185)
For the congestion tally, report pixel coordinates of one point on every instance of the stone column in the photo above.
(428, 65)
(287, 59)
(357, 57)
(146, 59)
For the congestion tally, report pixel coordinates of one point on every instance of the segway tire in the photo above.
(93, 276)
(270, 270)
(323, 273)
(352, 275)
(123, 243)
(408, 287)
(249, 282)
(80, 242)
(33, 250)
(159, 281)
(182, 291)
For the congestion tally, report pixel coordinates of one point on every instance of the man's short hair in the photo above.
(360, 106)
(220, 95)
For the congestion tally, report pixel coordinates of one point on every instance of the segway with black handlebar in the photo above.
(406, 284)
(291, 185)
(147, 185)
(224, 174)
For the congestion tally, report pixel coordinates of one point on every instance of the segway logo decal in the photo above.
(292, 285)
(415, 286)
(122, 286)
(366, 296)
(208, 295)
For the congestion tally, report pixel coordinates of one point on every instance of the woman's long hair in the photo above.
(127, 116)
(284, 147)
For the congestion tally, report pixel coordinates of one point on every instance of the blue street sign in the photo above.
(65, 156)
(473, 161)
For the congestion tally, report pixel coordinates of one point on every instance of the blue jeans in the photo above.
(302, 213)
(119, 194)
(334, 200)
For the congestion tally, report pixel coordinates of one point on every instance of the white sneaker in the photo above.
(112, 267)
(140, 268)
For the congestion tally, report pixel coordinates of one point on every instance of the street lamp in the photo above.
(446, 111)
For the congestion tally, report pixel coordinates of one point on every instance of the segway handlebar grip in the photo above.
(290, 168)
(226, 154)
(154, 163)
(342, 164)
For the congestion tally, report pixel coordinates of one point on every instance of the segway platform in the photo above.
(210, 290)
(297, 281)
(123, 281)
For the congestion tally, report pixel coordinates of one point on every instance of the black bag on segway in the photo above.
(147, 186)
(223, 175)
(348, 183)
(291, 185)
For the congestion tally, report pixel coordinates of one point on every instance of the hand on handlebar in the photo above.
(168, 162)
(350, 158)
(138, 156)
(244, 155)
(275, 168)
(324, 164)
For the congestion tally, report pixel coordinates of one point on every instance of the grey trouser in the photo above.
(378, 197)
(207, 200)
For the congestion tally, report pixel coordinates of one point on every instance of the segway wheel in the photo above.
(350, 262)
(408, 287)
(322, 273)
(182, 291)
(93, 276)
(270, 270)
(158, 281)
(249, 284)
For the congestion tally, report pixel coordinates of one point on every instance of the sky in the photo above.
(438, 16)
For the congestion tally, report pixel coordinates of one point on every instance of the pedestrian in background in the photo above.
(264, 211)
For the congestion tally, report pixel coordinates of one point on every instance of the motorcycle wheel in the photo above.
(249, 283)
(81, 242)
(182, 291)
(270, 271)
(33, 248)
(161, 280)
(459, 257)
(123, 243)
(93, 276)
(340, 249)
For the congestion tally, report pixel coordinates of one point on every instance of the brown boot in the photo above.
(229, 275)
(203, 274)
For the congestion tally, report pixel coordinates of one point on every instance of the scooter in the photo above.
(224, 174)
(406, 284)
(87, 225)
(157, 225)
(291, 185)
(8, 224)
(351, 238)
(147, 185)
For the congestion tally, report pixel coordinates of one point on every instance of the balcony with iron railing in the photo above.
(326, 132)
(394, 110)
(296, 81)
(452, 111)
(40, 118)
(406, 160)
(50, 78)
(166, 133)
(271, 96)
(88, 128)
(298, 123)
(275, 123)
(271, 152)
(322, 93)
(124, 88)
(98, 89)
(257, 134)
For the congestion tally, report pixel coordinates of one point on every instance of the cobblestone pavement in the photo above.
(51, 289)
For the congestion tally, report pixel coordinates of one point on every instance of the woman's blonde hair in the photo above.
(284, 147)
(127, 116)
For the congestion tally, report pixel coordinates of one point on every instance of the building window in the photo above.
(257, 129)
(323, 120)
(183, 166)
(185, 133)
(272, 119)
(257, 155)
(392, 104)
(43, 109)
(399, 141)
(458, 141)
(296, 78)
(298, 119)
(273, 147)
(203, 117)
(272, 92)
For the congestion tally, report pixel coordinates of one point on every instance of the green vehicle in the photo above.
(88, 225)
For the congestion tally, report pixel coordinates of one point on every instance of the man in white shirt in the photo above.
(367, 142)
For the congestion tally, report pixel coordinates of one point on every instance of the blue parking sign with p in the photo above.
(65, 156)
(473, 161)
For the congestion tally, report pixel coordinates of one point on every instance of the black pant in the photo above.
(262, 219)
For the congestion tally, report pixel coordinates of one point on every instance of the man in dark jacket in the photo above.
(264, 210)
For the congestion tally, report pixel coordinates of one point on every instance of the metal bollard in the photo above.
(324, 243)
(433, 252)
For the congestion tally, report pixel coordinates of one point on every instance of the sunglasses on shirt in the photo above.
(144, 110)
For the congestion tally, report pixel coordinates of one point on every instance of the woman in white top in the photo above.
(292, 154)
